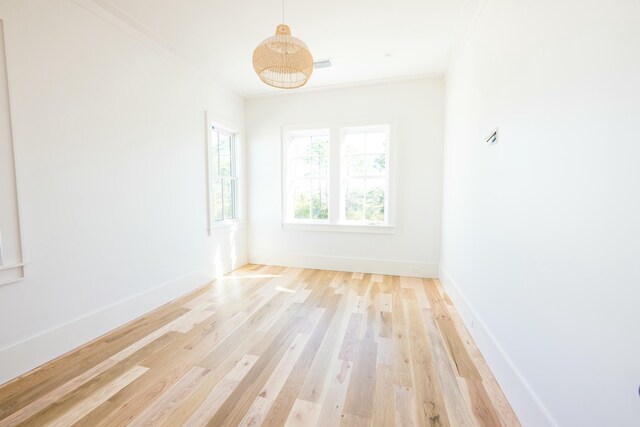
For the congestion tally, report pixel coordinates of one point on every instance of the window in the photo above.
(364, 171)
(223, 175)
(308, 166)
(336, 175)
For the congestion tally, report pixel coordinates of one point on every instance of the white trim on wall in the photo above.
(525, 402)
(362, 265)
(17, 269)
(340, 228)
(21, 357)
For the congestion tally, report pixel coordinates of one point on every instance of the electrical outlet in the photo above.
(415, 270)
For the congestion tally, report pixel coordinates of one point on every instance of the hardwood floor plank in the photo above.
(178, 325)
(384, 400)
(505, 412)
(349, 420)
(242, 368)
(171, 365)
(401, 354)
(348, 349)
(93, 401)
(361, 389)
(315, 385)
(64, 397)
(168, 401)
(431, 410)
(436, 301)
(457, 408)
(371, 325)
(215, 398)
(274, 346)
(376, 278)
(463, 363)
(229, 356)
(37, 383)
(385, 302)
(41, 403)
(281, 372)
(291, 389)
(386, 324)
(232, 411)
(303, 414)
(385, 351)
(481, 405)
(405, 405)
(333, 402)
(257, 412)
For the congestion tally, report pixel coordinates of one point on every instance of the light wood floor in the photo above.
(274, 346)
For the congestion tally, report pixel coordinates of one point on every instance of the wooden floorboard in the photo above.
(274, 346)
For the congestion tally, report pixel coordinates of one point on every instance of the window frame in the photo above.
(217, 124)
(336, 220)
(287, 179)
(344, 177)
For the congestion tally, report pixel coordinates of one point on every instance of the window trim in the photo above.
(344, 177)
(285, 175)
(335, 221)
(237, 167)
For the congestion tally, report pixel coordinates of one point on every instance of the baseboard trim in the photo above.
(364, 265)
(521, 396)
(26, 355)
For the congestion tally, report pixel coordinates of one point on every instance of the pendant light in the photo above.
(283, 61)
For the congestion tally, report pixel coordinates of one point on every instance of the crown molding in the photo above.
(374, 82)
(133, 28)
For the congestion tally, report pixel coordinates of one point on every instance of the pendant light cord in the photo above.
(283, 12)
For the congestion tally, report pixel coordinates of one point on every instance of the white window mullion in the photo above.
(335, 176)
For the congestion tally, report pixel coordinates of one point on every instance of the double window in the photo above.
(336, 175)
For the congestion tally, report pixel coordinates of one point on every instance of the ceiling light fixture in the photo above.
(283, 61)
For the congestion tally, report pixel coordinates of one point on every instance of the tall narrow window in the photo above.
(365, 182)
(307, 176)
(223, 169)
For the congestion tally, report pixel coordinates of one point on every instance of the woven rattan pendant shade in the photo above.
(283, 61)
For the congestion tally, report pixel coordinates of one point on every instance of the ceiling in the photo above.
(366, 40)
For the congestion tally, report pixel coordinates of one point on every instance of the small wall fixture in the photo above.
(492, 139)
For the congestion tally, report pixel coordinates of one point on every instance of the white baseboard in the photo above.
(522, 398)
(364, 265)
(21, 357)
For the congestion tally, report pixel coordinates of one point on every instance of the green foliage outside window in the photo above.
(310, 165)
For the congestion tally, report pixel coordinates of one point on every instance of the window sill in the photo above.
(226, 227)
(19, 274)
(340, 228)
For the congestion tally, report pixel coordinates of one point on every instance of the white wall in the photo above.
(417, 109)
(541, 232)
(109, 134)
